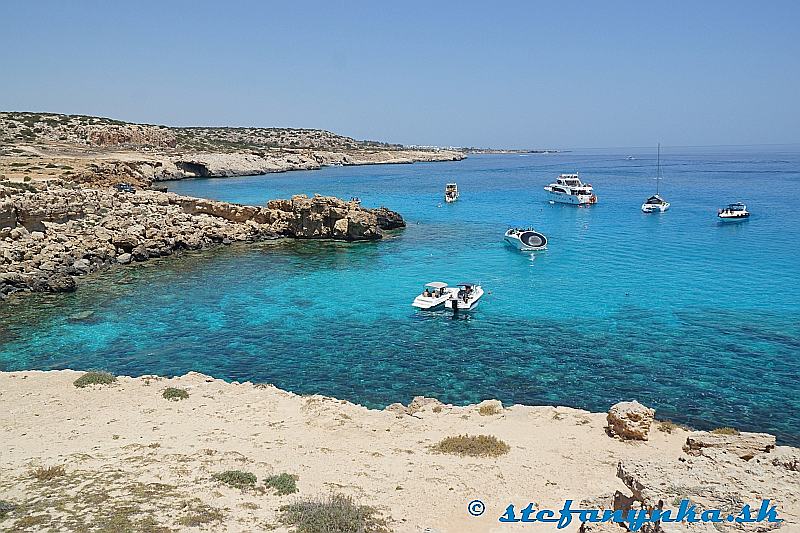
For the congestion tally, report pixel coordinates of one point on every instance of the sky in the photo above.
(522, 74)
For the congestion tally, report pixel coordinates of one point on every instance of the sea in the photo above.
(696, 318)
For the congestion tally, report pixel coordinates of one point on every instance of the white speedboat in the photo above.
(450, 192)
(656, 204)
(734, 213)
(569, 189)
(434, 295)
(466, 298)
(526, 240)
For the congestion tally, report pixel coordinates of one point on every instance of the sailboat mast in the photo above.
(658, 172)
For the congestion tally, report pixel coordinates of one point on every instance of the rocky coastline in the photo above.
(153, 450)
(53, 231)
(102, 151)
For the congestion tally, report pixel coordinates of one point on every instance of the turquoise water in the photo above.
(698, 319)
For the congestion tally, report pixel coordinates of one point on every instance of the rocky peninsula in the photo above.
(52, 231)
(92, 452)
(97, 150)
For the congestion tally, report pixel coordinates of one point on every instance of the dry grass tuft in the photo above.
(489, 410)
(725, 431)
(335, 513)
(49, 473)
(472, 446)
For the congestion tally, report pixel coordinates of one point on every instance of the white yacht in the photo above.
(526, 240)
(656, 204)
(434, 295)
(465, 298)
(734, 213)
(569, 189)
(450, 192)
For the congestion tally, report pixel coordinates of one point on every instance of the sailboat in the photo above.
(656, 203)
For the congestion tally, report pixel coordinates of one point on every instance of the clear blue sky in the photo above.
(518, 74)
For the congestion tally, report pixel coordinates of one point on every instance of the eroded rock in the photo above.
(630, 420)
(742, 445)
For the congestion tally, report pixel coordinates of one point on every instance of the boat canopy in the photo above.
(738, 206)
(436, 285)
(655, 199)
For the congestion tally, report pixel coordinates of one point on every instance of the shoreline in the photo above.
(163, 455)
(52, 232)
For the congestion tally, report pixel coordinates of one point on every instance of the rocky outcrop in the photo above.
(724, 482)
(742, 445)
(54, 232)
(388, 219)
(127, 134)
(418, 404)
(630, 420)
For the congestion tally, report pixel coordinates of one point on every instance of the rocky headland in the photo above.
(52, 231)
(89, 452)
(98, 150)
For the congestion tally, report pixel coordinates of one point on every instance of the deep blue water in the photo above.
(698, 319)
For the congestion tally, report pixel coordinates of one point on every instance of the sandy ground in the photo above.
(131, 455)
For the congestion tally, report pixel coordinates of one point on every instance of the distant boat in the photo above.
(733, 213)
(450, 193)
(656, 203)
(629, 158)
(569, 189)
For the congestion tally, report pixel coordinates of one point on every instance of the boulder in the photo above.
(124, 259)
(388, 219)
(60, 283)
(742, 445)
(490, 407)
(630, 420)
(125, 241)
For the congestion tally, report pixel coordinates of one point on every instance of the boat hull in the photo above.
(655, 208)
(571, 199)
(734, 219)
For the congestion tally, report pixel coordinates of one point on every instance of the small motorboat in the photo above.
(526, 239)
(434, 295)
(655, 204)
(734, 212)
(450, 193)
(465, 298)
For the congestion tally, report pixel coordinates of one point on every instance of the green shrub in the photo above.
(94, 378)
(282, 483)
(236, 478)
(472, 446)
(172, 393)
(335, 513)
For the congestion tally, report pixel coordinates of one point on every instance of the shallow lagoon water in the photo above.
(698, 319)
